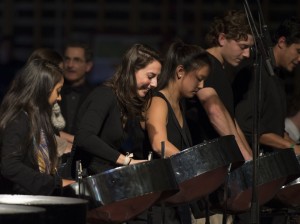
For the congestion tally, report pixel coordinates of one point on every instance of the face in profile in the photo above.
(55, 93)
(234, 51)
(146, 78)
(290, 55)
(193, 81)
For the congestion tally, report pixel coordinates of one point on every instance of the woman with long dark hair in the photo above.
(185, 68)
(111, 120)
(28, 145)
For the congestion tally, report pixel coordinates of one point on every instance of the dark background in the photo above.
(111, 26)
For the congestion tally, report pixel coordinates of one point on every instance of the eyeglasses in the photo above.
(74, 60)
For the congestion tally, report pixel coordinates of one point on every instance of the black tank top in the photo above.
(177, 135)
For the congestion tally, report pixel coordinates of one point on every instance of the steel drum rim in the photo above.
(7, 209)
(39, 200)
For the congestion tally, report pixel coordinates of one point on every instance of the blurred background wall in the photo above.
(111, 26)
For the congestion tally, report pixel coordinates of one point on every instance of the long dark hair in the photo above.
(124, 82)
(191, 57)
(29, 93)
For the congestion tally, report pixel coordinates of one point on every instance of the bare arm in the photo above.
(156, 124)
(243, 144)
(276, 141)
(67, 136)
(221, 119)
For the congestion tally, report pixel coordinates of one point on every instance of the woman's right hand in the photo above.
(135, 161)
(66, 182)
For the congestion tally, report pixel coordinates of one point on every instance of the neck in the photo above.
(171, 93)
(216, 52)
(77, 83)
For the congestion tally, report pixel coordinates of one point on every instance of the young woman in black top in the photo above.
(185, 68)
(28, 146)
(112, 117)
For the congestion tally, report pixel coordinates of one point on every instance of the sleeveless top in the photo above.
(179, 136)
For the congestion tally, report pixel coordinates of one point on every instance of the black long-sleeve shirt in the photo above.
(20, 174)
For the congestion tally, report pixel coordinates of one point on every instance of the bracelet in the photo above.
(127, 160)
(292, 146)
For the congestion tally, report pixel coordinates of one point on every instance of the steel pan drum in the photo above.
(201, 169)
(289, 194)
(273, 171)
(19, 214)
(59, 210)
(120, 194)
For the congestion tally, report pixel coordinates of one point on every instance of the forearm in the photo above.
(169, 148)
(274, 140)
(243, 144)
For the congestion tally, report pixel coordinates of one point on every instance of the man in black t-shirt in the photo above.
(211, 113)
(286, 52)
(229, 42)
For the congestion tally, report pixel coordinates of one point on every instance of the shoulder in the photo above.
(103, 91)
(19, 124)
(101, 97)
(158, 102)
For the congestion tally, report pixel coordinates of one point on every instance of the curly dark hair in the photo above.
(290, 29)
(234, 25)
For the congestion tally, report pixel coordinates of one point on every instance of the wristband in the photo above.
(292, 146)
(127, 160)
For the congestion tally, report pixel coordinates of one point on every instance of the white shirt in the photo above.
(292, 130)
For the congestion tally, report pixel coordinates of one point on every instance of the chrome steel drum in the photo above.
(289, 194)
(120, 194)
(59, 210)
(20, 214)
(273, 171)
(201, 169)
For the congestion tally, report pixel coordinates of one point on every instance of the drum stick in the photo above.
(150, 156)
(163, 149)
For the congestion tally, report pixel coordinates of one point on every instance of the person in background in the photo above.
(78, 62)
(272, 134)
(273, 106)
(28, 147)
(292, 120)
(184, 70)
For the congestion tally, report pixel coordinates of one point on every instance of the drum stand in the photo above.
(150, 210)
(225, 197)
(79, 175)
(289, 214)
(224, 220)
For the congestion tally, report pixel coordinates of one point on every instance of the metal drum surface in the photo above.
(201, 169)
(59, 210)
(273, 171)
(120, 194)
(21, 214)
(289, 194)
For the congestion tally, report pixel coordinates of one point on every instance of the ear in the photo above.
(221, 39)
(179, 71)
(281, 42)
(89, 66)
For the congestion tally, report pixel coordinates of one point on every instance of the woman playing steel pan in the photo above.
(28, 146)
(111, 118)
(185, 68)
